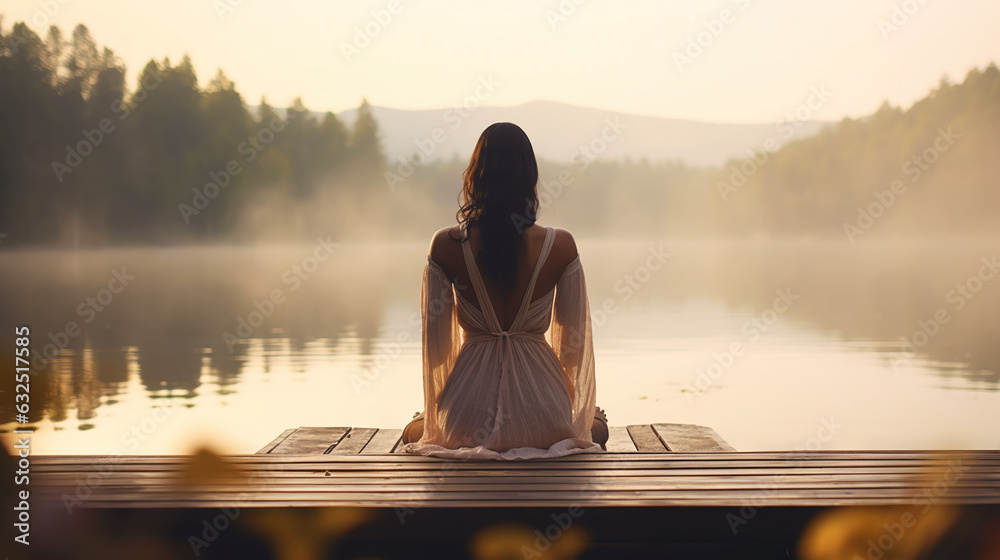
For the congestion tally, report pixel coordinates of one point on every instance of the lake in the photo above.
(776, 344)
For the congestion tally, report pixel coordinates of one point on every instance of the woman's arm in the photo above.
(572, 341)
(441, 340)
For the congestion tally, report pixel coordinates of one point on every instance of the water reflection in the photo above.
(166, 327)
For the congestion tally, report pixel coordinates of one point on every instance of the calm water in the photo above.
(776, 345)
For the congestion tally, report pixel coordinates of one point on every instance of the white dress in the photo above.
(524, 393)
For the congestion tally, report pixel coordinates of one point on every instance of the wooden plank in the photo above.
(429, 495)
(619, 441)
(309, 441)
(690, 438)
(609, 479)
(445, 489)
(274, 443)
(384, 441)
(664, 498)
(541, 484)
(477, 502)
(355, 440)
(912, 455)
(645, 439)
(531, 477)
(352, 470)
(778, 457)
(428, 463)
(375, 468)
(870, 487)
(746, 480)
(480, 502)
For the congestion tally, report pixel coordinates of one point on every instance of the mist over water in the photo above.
(199, 268)
(764, 340)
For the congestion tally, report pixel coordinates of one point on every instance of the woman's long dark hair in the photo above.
(499, 196)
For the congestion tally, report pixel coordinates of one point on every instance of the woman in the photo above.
(507, 355)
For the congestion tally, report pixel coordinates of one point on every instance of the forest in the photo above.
(90, 157)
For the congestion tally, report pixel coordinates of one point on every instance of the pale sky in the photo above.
(616, 55)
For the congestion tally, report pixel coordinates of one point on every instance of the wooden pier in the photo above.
(640, 438)
(660, 488)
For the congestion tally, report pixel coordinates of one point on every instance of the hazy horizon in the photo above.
(347, 115)
(857, 49)
(221, 220)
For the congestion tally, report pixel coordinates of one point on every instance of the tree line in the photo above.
(930, 169)
(87, 159)
(167, 160)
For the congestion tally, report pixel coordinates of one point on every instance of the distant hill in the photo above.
(930, 168)
(557, 130)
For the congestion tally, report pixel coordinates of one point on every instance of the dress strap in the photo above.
(477, 283)
(542, 255)
(485, 304)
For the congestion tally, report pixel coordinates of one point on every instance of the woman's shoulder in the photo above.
(452, 234)
(445, 249)
(563, 247)
(446, 239)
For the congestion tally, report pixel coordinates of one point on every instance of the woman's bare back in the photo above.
(446, 251)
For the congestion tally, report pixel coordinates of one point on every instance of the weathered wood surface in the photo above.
(308, 441)
(619, 441)
(721, 479)
(384, 441)
(640, 438)
(352, 443)
(689, 438)
(277, 441)
(645, 439)
(337, 441)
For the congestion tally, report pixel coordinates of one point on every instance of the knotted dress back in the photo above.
(521, 393)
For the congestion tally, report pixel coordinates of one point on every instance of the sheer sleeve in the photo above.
(572, 340)
(441, 340)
